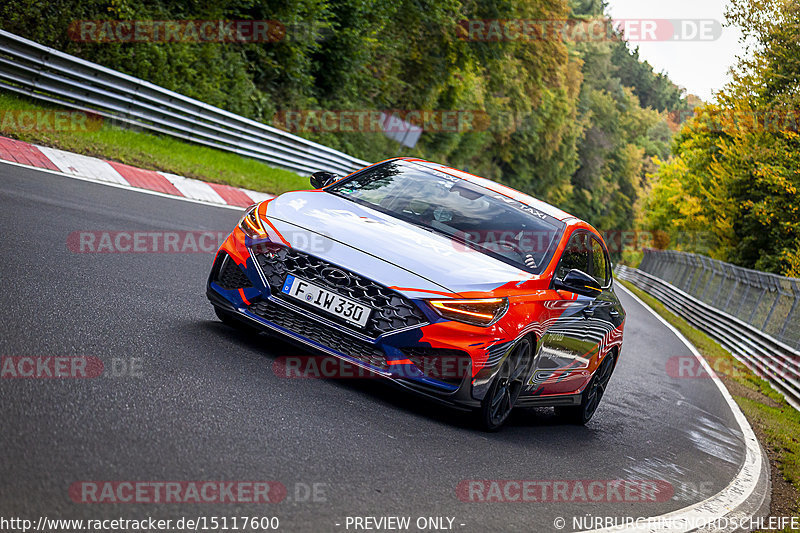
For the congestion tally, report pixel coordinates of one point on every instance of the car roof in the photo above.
(499, 188)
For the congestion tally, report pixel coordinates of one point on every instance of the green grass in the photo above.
(776, 422)
(154, 152)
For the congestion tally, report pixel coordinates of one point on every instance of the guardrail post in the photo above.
(662, 262)
(676, 267)
(665, 265)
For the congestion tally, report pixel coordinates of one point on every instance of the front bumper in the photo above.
(398, 345)
(371, 357)
(446, 361)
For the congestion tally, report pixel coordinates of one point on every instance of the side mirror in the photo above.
(578, 282)
(323, 178)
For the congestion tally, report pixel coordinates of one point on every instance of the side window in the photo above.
(576, 255)
(600, 269)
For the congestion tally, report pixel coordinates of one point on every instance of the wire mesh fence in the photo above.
(768, 302)
(766, 356)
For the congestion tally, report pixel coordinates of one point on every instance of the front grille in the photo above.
(392, 311)
(231, 276)
(309, 328)
(449, 366)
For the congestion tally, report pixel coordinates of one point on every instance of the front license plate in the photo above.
(326, 300)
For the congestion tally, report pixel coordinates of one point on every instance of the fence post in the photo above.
(771, 309)
(749, 285)
(688, 272)
(730, 295)
(764, 288)
(717, 296)
(701, 276)
(792, 310)
(714, 271)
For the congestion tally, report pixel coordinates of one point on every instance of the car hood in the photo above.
(388, 250)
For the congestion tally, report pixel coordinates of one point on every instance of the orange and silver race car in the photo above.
(452, 285)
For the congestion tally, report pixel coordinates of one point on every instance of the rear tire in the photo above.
(499, 401)
(590, 399)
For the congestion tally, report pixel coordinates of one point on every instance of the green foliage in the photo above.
(736, 170)
(654, 90)
(620, 138)
(565, 119)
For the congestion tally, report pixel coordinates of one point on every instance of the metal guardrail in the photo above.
(769, 358)
(40, 72)
(768, 302)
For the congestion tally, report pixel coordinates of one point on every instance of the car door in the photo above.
(605, 312)
(566, 345)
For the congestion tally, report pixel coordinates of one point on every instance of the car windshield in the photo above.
(469, 214)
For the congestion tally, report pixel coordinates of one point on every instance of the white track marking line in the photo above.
(258, 196)
(199, 190)
(738, 491)
(81, 165)
(122, 186)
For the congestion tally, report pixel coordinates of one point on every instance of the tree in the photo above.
(736, 163)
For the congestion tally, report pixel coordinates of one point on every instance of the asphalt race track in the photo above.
(205, 404)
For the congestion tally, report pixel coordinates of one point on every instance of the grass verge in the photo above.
(146, 150)
(775, 422)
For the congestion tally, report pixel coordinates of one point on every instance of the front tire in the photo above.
(499, 401)
(590, 399)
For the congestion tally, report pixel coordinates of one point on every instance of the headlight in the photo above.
(251, 225)
(478, 312)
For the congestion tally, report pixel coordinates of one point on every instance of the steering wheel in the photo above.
(514, 247)
(526, 257)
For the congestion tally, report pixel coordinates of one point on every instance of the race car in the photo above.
(442, 282)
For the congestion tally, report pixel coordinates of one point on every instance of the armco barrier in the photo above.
(40, 72)
(768, 357)
(767, 302)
